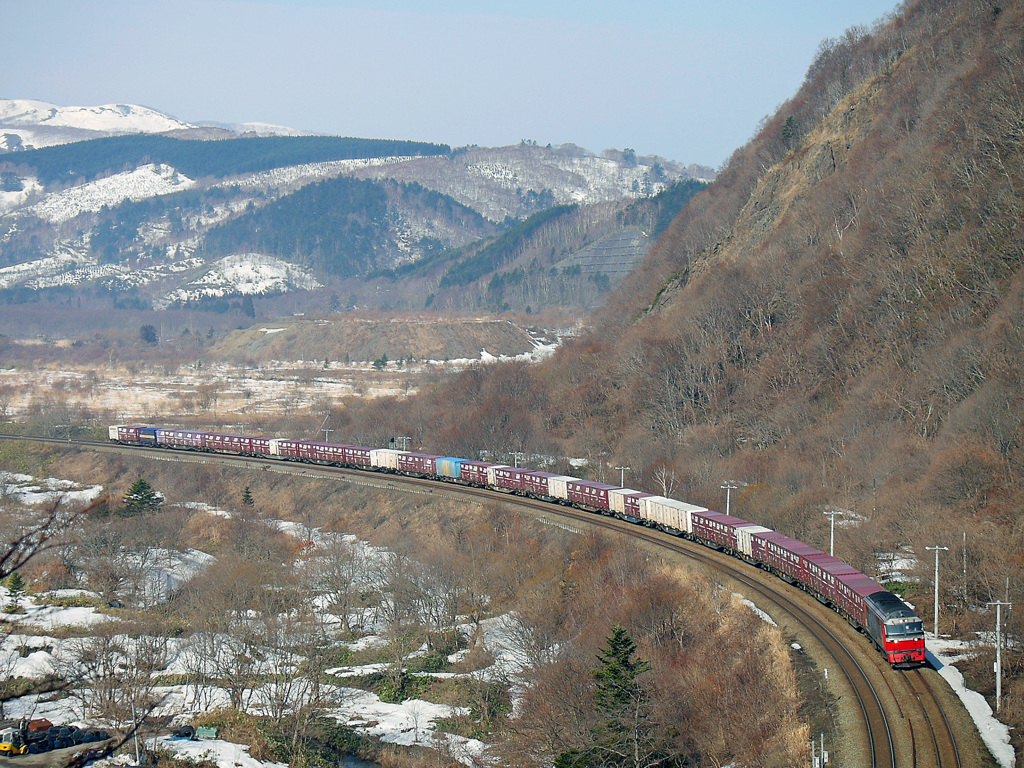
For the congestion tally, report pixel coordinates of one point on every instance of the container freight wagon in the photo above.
(450, 467)
(358, 456)
(744, 538)
(851, 592)
(477, 472)
(558, 486)
(132, 433)
(670, 514)
(217, 441)
(181, 438)
(538, 483)
(286, 449)
(783, 554)
(384, 458)
(717, 528)
(589, 494)
(821, 573)
(308, 450)
(625, 502)
(509, 478)
(418, 463)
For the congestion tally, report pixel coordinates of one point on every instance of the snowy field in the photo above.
(243, 391)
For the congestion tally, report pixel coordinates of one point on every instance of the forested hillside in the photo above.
(198, 159)
(835, 323)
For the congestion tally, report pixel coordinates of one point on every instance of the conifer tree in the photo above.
(15, 587)
(247, 499)
(625, 736)
(140, 498)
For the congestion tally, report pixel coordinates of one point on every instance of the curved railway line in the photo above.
(894, 719)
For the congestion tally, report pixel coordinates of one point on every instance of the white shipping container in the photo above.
(557, 486)
(671, 513)
(386, 458)
(743, 533)
(615, 499)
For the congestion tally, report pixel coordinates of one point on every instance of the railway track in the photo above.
(899, 716)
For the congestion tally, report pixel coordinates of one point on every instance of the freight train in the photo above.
(891, 624)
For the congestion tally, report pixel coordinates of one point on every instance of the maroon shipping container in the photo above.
(475, 472)
(357, 455)
(851, 589)
(326, 452)
(715, 527)
(590, 493)
(216, 441)
(785, 554)
(510, 477)
(537, 483)
(181, 438)
(821, 572)
(420, 463)
(290, 449)
(261, 446)
(126, 433)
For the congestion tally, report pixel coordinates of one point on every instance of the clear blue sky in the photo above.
(685, 79)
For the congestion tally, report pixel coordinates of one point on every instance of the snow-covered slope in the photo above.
(144, 182)
(248, 274)
(29, 124)
(499, 182)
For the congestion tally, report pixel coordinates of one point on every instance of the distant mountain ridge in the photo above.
(385, 223)
(30, 124)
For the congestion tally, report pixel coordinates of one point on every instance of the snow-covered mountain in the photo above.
(29, 124)
(173, 224)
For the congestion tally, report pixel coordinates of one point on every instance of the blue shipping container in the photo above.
(450, 467)
(147, 435)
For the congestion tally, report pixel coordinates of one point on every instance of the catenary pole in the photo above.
(937, 549)
(999, 651)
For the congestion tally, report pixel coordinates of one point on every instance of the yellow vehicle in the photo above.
(11, 742)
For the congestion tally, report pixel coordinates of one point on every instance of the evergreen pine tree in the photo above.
(15, 588)
(15, 585)
(247, 499)
(140, 498)
(626, 737)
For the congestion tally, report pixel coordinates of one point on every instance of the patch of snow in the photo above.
(761, 613)
(226, 754)
(995, 734)
(30, 492)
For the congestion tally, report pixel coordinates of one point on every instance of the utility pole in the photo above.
(622, 476)
(729, 486)
(937, 549)
(516, 456)
(327, 432)
(999, 650)
(832, 531)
